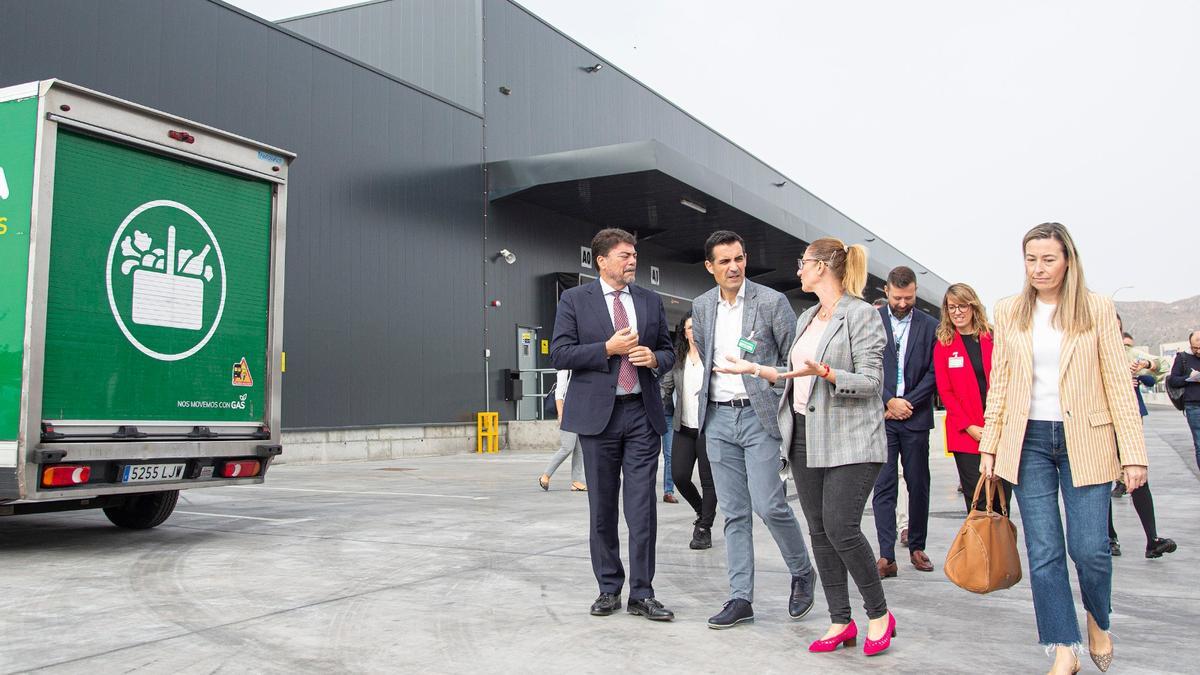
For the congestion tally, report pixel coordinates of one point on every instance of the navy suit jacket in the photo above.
(581, 328)
(920, 380)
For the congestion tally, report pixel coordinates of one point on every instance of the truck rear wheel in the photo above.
(142, 512)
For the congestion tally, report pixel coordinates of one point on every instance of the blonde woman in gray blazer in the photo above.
(831, 423)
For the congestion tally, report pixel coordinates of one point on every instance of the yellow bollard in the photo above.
(487, 425)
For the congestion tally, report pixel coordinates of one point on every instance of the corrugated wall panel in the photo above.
(556, 106)
(383, 323)
(434, 44)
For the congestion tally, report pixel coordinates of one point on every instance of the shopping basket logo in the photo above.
(174, 262)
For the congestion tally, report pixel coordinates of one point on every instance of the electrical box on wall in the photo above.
(513, 387)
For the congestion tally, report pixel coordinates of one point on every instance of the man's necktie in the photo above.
(627, 375)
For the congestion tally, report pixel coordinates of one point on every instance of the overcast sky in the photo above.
(949, 128)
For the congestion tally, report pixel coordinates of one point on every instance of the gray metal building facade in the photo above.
(414, 169)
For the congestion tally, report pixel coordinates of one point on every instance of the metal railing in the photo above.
(541, 393)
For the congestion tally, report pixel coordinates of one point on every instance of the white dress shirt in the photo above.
(901, 329)
(727, 330)
(1044, 402)
(627, 301)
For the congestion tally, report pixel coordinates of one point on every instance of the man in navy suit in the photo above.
(613, 338)
(908, 387)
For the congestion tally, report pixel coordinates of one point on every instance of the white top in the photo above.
(805, 349)
(727, 330)
(627, 301)
(560, 387)
(1044, 403)
(689, 393)
(900, 331)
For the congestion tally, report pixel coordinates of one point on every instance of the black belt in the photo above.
(735, 403)
(626, 398)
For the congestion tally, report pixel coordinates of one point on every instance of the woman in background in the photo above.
(682, 387)
(962, 362)
(568, 443)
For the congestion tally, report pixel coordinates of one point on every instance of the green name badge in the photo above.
(747, 345)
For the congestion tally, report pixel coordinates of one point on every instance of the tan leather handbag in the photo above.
(983, 557)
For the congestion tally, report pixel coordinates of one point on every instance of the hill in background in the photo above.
(1155, 323)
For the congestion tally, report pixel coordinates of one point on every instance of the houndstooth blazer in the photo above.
(844, 422)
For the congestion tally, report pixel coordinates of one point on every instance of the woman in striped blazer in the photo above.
(1061, 417)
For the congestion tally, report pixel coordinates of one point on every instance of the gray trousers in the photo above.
(568, 444)
(745, 468)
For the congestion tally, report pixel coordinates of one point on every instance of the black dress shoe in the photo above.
(1114, 547)
(735, 611)
(650, 608)
(801, 600)
(606, 604)
(701, 538)
(1159, 547)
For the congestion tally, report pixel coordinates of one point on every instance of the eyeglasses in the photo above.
(800, 262)
(957, 309)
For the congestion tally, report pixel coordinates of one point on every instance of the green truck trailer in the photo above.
(141, 298)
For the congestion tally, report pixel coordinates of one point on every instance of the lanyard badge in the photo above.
(747, 344)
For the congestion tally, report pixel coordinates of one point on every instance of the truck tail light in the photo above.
(63, 475)
(242, 469)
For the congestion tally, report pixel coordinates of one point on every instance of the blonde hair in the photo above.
(1072, 314)
(848, 263)
(962, 294)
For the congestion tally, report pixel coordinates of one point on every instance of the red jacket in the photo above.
(959, 390)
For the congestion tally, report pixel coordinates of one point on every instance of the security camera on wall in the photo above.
(508, 256)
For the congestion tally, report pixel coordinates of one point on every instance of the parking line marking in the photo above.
(229, 515)
(357, 492)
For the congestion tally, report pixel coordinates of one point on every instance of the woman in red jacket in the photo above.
(962, 363)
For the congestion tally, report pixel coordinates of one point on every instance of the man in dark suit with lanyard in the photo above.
(613, 338)
(908, 386)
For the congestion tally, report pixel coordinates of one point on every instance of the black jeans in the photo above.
(686, 452)
(968, 478)
(833, 500)
(1143, 501)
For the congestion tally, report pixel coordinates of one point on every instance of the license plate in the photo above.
(145, 473)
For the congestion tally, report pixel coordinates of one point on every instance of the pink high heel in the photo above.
(848, 637)
(873, 647)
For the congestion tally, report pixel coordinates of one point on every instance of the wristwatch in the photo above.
(757, 369)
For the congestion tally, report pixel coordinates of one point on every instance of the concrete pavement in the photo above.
(462, 563)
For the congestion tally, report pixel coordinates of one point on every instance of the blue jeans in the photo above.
(1045, 471)
(1192, 411)
(745, 468)
(668, 482)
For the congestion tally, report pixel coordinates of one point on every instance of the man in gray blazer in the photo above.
(740, 318)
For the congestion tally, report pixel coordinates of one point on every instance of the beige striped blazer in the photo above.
(1099, 410)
